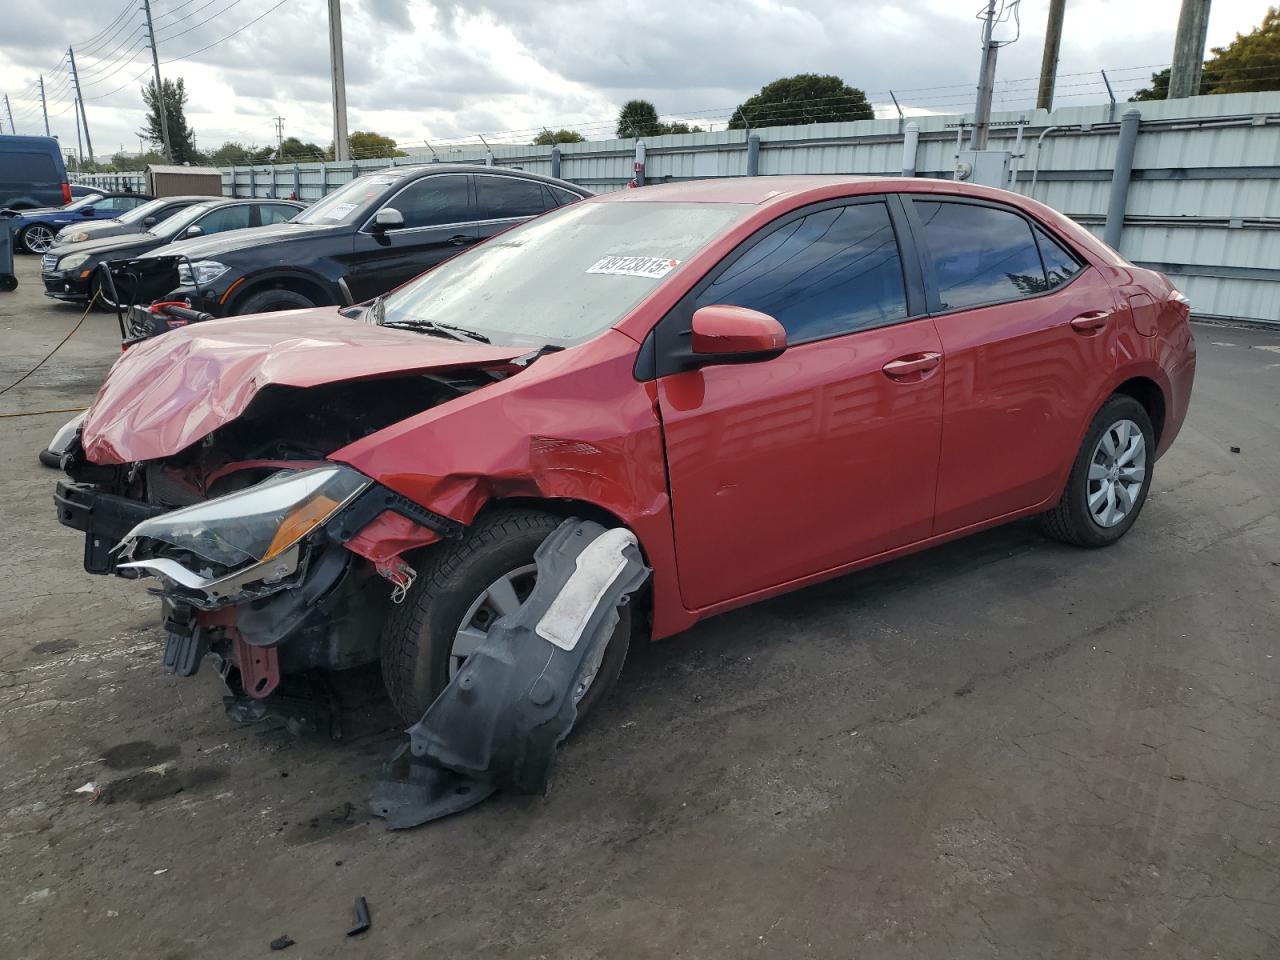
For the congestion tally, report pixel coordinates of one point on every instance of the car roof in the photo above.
(419, 169)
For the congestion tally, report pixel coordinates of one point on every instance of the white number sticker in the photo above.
(654, 267)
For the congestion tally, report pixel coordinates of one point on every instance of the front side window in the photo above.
(980, 254)
(505, 198)
(832, 272)
(434, 201)
(226, 218)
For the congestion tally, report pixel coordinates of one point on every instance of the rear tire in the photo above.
(1109, 480)
(419, 636)
(269, 301)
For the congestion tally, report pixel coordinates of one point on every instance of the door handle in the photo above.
(460, 239)
(1091, 322)
(912, 367)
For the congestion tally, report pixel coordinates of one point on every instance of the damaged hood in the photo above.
(168, 392)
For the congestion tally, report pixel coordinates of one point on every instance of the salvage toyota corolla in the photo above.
(770, 381)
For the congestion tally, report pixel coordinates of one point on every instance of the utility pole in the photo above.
(279, 135)
(80, 100)
(986, 82)
(1188, 49)
(340, 149)
(79, 143)
(155, 62)
(9, 110)
(44, 106)
(1049, 65)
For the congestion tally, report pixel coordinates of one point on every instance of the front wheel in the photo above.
(461, 590)
(37, 238)
(1110, 478)
(269, 301)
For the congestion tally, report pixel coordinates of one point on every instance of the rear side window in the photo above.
(434, 202)
(28, 167)
(276, 213)
(225, 218)
(980, 254)
(1059, 265)
(561, 198)
(503, 198)
(832, 272)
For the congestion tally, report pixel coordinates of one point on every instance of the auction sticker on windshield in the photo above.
(655, 267)
(339, 211)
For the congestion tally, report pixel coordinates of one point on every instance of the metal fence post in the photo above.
(1122, 172)
(639, 164)
(233, 181)
(297, 182)
(355, 170)
(753, 155)
(910, 143)
(555, 162)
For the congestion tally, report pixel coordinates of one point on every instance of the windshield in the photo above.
(348, 203)
(141, 212)
(564, 277)
(180, 220)
(88, 201)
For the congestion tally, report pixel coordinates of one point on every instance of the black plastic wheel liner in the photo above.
(497, 725)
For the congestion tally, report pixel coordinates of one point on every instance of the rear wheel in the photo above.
(1109, 480)
(461, 591)
(37, 238)
(268, 301)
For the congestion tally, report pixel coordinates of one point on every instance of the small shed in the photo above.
(164, 180)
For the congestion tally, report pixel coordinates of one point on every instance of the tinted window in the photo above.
(225, 218)
(980, 254)
(434, 201)
(276, 213)
(832, 272)
(1059, 266)
(505, 197)
(563, 197)
(28, 167)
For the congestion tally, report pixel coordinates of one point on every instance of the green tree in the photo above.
(234, 152)
(1248, 64)
(638, 118)
(175, 106)
(548, 138)
(365, 143)
(296, 151)
(679, 128)
(804, 98)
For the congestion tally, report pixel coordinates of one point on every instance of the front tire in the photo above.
(463, 587)
(36, 238)
(268, 301)
(1109, 479)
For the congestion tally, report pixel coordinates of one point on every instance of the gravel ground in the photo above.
(1001, 748)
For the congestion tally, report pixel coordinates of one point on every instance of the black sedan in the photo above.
(139, 218)
(68, 269)
(362, 240)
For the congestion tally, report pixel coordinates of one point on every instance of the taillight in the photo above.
(66, 193)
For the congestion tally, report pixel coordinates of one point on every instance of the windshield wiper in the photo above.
(430, 326)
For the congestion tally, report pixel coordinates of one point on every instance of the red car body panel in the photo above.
(740, 481)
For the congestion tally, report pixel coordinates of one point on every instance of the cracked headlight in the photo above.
(200, 272)
(257, 523)
(73, 261)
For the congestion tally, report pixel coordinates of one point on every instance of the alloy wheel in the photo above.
(1117, 473)
(502, 597)
(38, 238)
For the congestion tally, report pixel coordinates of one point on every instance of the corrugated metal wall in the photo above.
(1204, 204)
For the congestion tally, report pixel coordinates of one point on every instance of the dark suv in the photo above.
(363, 239)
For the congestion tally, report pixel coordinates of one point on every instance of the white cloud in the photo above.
(419, 69)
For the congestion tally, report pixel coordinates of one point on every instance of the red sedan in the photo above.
(771, 381)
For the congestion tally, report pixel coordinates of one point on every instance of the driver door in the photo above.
(828, 454)
(439, 220)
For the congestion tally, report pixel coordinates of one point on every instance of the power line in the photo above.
(241, 29)
(199, 23)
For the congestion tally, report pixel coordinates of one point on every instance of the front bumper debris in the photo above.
(103, 518)
(498, 723)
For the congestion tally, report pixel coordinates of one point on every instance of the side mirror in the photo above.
(193, 231)
(725, 334)
(388, 218)
(149, 222)
(87, 211)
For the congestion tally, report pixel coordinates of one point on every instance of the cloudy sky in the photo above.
(423, 69)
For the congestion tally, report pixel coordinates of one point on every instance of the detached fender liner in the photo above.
(497, 724)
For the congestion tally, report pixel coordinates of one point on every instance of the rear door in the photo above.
(236, 216)
(271, 213)
(439, 220)
(1028, 334)
(827, 454)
